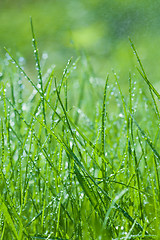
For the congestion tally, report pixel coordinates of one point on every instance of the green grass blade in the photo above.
(34, 86)
(38, 67)
(97, 150)
(142, 73)
(103, 128)
(151, 87)
(147, 139)
(8, 218)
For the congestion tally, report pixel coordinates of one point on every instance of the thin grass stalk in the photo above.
(142, 73)
(65, 76)
(32, 83)
(103, 131)
(38, 67)
(137, 173)
(147, 139)
(7, 125)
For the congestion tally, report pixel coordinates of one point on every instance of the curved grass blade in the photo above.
(127, 186)
(151, 87)
(8, 218)
(142, 73)
(147, 139)
(67, 120)
(32, 83)
(66, 74)
(98, 151)
(87, 188)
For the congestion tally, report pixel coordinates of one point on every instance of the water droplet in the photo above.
(44, 56)
(24, 106)
(21, 60)
(81, 195)
(20, 82)
(8, 57)
(20, 101)
(121, 115)
(38, 86)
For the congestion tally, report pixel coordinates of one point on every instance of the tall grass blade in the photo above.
(147, 139)
(103, 129)
(32, 83)
(38, 67)
(8, 218)
(142, 73)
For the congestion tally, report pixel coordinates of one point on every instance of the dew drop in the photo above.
(44, 56)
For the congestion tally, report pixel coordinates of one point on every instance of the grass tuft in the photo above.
(79, 159)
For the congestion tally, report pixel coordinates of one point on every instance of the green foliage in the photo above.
(79, 160)
(100, 27)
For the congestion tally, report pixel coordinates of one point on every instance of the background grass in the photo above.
(65, 28)
(79, 151)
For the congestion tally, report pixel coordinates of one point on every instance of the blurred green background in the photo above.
(100, 28)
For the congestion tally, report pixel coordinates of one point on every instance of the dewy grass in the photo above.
(71, 172)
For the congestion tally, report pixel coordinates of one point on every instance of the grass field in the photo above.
(79, 159)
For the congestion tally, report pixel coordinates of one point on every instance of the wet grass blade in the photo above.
(147, 139)
(142, 71)
(38, 67)
(97, 150)
(8, 218)
(103, 128)
(34, 86)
